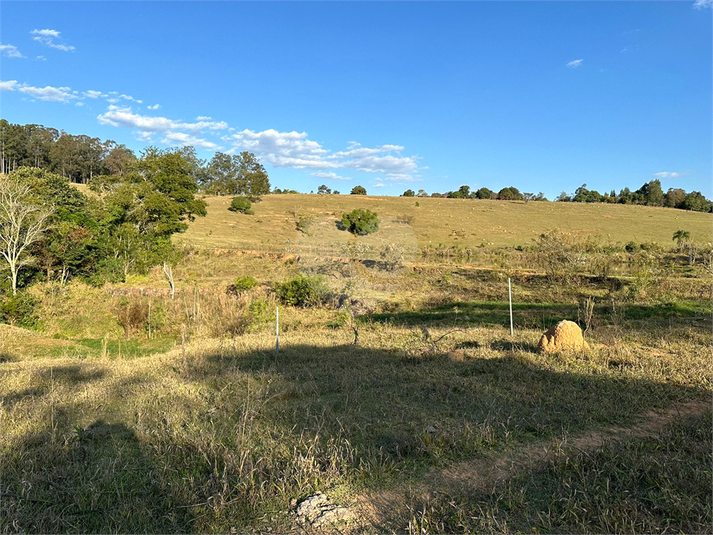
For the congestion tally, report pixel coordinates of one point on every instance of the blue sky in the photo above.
(544, 96)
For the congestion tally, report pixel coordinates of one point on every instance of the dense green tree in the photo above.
(361, 221)
(697, 202)
(358, 190)
(241, 174)
(674, 198)
(582, 194)
(651, 193)
(484, 193)
(118, 158)
(510, 194)
(408, 193)
(324, 190)
(462, 193)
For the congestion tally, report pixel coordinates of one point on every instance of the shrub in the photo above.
(241, 284)
(304, 222)
(260, 313)
(133, 316)
(301, 291)
(361, 221)
(18, 310)
(242, 205)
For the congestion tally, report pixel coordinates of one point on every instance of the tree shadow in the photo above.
(99, 480)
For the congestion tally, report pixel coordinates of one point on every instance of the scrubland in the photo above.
(402, 397)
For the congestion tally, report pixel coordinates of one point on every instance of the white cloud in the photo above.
(124, 117)
(10, 85)
(666, 174)
(80, 103)
(94, 94)
(129, 97)
(146, 137)
(575, 63)
(379, 185)
(41, 58)
(10, 51)
(203, 118)
(183, 139)
(48, 93)
(283, 149)
(45, 33)
(330, 175)
(700, 4)
(154, 107)
(47, 37)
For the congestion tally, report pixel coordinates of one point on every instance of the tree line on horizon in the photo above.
(84, 159)
(649, 194)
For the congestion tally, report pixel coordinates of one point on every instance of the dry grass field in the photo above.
(402, 397)
(432, 221)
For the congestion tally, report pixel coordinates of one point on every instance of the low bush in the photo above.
(361, 221)
(301, 291)
(241, 285)
(241, 205)
(19, 310)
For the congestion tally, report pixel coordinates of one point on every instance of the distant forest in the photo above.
(82, 158)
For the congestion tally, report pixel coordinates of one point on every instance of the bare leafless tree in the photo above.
(168, 273)
(22, 223)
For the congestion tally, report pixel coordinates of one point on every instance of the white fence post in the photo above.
(510, 298)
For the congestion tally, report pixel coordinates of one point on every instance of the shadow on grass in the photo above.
(101, 480)
(536, 315)
(264, 430)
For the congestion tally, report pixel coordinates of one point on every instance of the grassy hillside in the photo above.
(427, 221)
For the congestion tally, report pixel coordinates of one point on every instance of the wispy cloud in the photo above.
(46, 33)
(132, 99)
(47, 37)
(41, 58)
(666, 174)
(574, 63)
(48, 93)
(330, 176)
(94, 94)
(183, 139)
(700, 4)
(154, 107)
(10, 51)
(295, 150)
(124, 117)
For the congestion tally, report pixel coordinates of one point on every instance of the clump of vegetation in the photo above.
(301, 291)
(241, 205)
(241, 285)
(304, 222)
(361, 221)
(19, 310)
(260, 313)
(358, 190)
(133, 316)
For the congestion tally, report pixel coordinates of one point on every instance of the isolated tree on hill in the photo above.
(358, 190)
(408, 193)
(22, 223)
(324, 190)
(422, 193)
(361, 221)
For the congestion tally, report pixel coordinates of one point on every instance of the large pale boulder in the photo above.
(565, 336)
